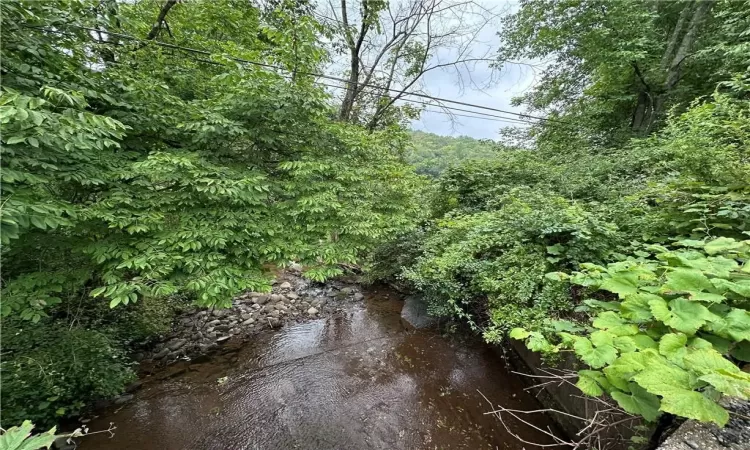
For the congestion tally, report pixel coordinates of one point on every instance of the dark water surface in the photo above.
(355, 381)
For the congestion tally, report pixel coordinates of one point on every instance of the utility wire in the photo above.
(271, 66)
(446, 110)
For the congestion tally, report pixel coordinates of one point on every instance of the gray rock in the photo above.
(414, 314)
(219, 312)
(268, 308)
(274, 322)
(292, 296)
(162, 353)
(346, 291)
(177, 344)
(61, 443)
(274, 313)
(222, 339)
(249, 321)
(256, 306)
(359, 296)
(285, 285)
(246, 316)
(277, 298)
(122, 399)
(213, 323)
(261, 299)
(312, 311)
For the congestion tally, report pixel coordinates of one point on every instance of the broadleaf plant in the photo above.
(674, 335)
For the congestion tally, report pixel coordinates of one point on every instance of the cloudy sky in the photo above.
(508, 83)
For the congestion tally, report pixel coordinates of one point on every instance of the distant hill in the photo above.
(432, 154)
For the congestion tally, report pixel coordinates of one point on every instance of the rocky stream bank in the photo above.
(293, 299)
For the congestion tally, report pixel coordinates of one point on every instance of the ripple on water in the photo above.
(357, 380)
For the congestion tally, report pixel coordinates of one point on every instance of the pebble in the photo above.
(312, 311)
(285, 285)
(222, 339)
(177, 344)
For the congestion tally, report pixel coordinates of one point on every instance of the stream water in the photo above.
(356, 380)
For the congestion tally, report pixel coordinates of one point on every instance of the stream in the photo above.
(354, 380)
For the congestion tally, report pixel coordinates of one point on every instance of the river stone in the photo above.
(256, 306)
(274, 322)
(122, 399)
(312, 311)
(219, 312)
(176, 345)
(285, 285)
(64, 443)
(414, 314)
(292, 296)
(346, 291)
(213, 323)
(277, 298)
(268, 308)
(246, 316)
(248, 321)
(274, 313)
(222, 339)
(261, 299)
(162, 353)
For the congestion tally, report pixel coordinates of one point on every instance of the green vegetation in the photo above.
(432, 154)
(139, 179)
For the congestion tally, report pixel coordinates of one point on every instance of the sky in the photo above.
(510, 82)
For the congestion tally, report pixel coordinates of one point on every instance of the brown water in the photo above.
(355, 381)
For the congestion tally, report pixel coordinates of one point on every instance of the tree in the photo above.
(390, 46)
(615, 68)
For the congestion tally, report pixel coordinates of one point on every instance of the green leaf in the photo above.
(741, 351)
(639, 402)
(19, 438)
(643, 342)
(734, 384)
(687, 316)
(635, 307)
(519, 333)
(686, 280)
(672, 346)
(588, 385)
(607, 319)
(721, 245)
(621, 283)
(705, 361)
(595, 357)
(694, 405)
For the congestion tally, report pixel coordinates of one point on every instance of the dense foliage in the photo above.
(138, 178)
(625, 245)
(432, 154)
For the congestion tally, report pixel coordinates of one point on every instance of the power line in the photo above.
(447, 110)
(271, 66)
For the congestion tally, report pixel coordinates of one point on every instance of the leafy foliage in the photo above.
(135, 175)
(667, 343)
(432, 154)
(20, 438)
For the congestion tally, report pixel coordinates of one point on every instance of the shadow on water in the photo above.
(353, 381)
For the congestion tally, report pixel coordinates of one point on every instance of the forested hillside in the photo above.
(432, 154)
(157, 155)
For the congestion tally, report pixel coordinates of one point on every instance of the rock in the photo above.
(219, 312)
(222, 339)
(261, 299)
(312, 311)
(256, 306)
(285, 285)
(296, 268)
(414, 314)
(246, 316)
(138, 356)
(346, 291)
(161, 354)
(249, 321)
(274, 322)
(358, 296)
(268, 308)
(122, 399)
(61, 443)
(274, 313)
(213, 323)
(277, 298)
(292, 296)
(177, 344)
(132, 387)
(331, 293)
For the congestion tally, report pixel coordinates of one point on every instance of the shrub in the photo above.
(669, 338)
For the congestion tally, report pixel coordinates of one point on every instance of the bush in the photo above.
(51, 371)
(488, 267)
(670, 336)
